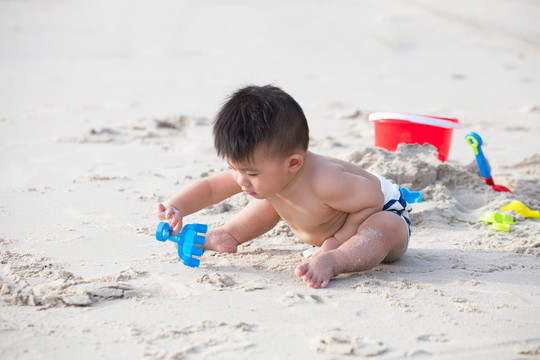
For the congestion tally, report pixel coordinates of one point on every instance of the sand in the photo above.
(106, 109)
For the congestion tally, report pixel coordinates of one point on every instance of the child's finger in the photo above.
(160, 211)
(177, 228)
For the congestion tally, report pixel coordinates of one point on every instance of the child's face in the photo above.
(263, 176)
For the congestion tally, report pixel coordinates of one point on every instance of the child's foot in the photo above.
(318, 271)
(220, 241)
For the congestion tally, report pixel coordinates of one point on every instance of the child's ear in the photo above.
(295, 162)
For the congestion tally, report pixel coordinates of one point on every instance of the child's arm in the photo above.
(257, 218)
(356, 195)
(197, 196)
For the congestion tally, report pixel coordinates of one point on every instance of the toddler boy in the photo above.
(357, 219)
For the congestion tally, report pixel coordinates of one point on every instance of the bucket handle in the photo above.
(415, 119)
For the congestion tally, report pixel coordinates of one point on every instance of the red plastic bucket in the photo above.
(392, 129)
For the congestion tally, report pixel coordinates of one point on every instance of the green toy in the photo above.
(499, 221)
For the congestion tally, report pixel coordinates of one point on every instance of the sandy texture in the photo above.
(106, 109)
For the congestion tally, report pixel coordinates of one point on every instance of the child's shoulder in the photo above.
(327, 173)
(327, 166)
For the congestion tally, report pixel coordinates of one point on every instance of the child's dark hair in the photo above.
(257, 115)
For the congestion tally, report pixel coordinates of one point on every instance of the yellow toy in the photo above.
(519, 208)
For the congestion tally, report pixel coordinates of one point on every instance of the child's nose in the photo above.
(242, 180)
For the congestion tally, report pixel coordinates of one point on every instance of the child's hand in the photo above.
(171, 215)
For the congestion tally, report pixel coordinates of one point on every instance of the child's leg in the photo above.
(255, 219)
(328, 244)
(381, 237)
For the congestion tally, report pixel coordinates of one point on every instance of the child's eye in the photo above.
(252, 175)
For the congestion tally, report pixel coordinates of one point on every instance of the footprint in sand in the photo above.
(433, 338)
(294, 299)
(220, 282)
(216, 281)
(145, 130)
(528, 347)
(206, 340)
(338, 344)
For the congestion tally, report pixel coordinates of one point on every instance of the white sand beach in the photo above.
(106, 109)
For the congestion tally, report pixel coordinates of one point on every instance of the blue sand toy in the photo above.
(475, 142)
(411, 196)
(189, 243)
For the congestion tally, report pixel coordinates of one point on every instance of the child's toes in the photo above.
(308, 277)
(301, 270)
(313, 282)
